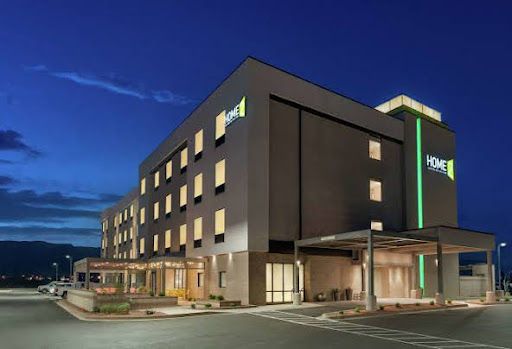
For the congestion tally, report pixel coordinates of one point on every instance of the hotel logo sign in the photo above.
(238, 111)
(442, 166)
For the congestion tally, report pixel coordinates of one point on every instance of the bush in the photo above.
(431, 302)
(341, 312)
(358, 309)
(151, 293)
(161, 294)
(220, 298)
(398, 305)
(211, 296)
(178, 292)
(417, 304)
(193, 305)
(122, 308)
(232, 304)
(208, 305)
(381, 307)
(96, 309)
(449, 301)
(482, 300)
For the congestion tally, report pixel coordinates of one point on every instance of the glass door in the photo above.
(279, 288)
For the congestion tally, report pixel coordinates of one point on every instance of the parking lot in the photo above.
(30, 320)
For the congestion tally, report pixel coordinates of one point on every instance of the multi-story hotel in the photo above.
(275, 186)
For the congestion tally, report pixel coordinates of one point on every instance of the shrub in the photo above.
(449, 301)
(149, 312)
(341, 312)
(151, 293)
(96, 309)
(358, 309)
(232, 304)
(161, 294)
(208, 305)
(507, 299)
(142, 289)
(482, 300)
(193, 305)
(211, 296)
(122, 308)
(220, 298)
(178, 292)
(431, 302)
(398, 305)
(381, 307)
(417, 304)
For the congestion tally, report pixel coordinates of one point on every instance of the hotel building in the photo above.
(275, 189)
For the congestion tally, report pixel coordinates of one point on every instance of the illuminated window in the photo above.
(198, 148)
(183, 198)
(157, 179)
(120, 240)
(131, 211)
(223, 282)
(168, 204)
(121, 217)
(374, 149)
(125, 214)
(131, 234)
(183, 236)
(198, 231)
(168, 240)
(103, 243)
(198, 188)
(200, 279)
(142, 246)
(106, 224)
(220, 225)
(220, 176)
(124, 255)
(125, 235)
(142, 215)
(119, 255)
(155, 243)
(377, 225)
(143, 186)
(168, 170)
(184, 160)
(115, 240)
(156, 209)
(375, 190)
(220, 128)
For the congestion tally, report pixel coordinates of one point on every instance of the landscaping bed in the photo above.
(391, 308)
(483, 301)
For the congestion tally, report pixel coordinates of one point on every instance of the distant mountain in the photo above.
(37, 257)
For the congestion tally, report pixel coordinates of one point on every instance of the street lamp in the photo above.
(56, 265)
(503, 244)
(70, 266)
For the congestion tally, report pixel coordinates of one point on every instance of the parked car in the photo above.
(46, 288)
(61, 289)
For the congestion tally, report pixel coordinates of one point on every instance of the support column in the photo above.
(440, 289)
(296, 291)
(371, 300)
(490, 295)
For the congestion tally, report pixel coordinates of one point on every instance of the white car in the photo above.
(61, 288)
(46, 288)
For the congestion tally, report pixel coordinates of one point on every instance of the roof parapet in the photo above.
(403, 100)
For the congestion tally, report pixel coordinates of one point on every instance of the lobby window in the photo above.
(220, 176)
(168, 241)
(223, 282)
(168, 171)
(377, 225)
(157, 179)
(374, 149)
(200, 279)
(375, 190)
(143, 186)
(179, 278)
(198, 188)
(220, 128)
(156, 209)
(155, 244)
(142, 247)
(183, 198)
(198, 146)
(220, 223)
(168, 205)
(119, 255)
(183, 237)
(142, 216)
(184, 160)
(198, 232)
(124, 255)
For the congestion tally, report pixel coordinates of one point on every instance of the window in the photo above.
(131, 234)
(200, 279)
(121, 217)
(198, 188)
(156, 212)
(131, 211)
(183, 237)
(375, 190)
(168, 170)
(120, 238)
(183, 198)
(155, 244)
(220, 176)
(142, 247)
(115, 240)
(198, 232)
(179, 278)
(374, 149)
(220, 222)
(377, 225)
(119, 255)
(157, 179)
(198, 150)
(125, 235)
(184, 160)
(142, 215)
(125, 214)
(220, 128)
(143, 186)
(168, 205)
(222, 279)
(168, 240)
(124, 255)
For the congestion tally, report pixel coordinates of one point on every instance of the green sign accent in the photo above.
(450, 172)
(421, 258)
(242, 107)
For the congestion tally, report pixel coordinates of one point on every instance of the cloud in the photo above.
(115, 83)
(12, 140)
(5, 180)
(75, 236)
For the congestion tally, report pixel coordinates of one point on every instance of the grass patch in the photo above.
(122, 308)
(381, 307)
(358, 309)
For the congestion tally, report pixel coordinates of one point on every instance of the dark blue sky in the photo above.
(88, 89)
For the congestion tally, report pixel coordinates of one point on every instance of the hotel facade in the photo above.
(276, 190)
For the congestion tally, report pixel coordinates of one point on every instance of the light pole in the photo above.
(56, 265)
(70, 266)
(503, 244)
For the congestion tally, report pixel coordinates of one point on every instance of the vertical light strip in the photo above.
(420, 197)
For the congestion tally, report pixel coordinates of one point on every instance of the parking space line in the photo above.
(405, 337)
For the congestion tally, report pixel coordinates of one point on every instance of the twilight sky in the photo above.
(88, 89)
